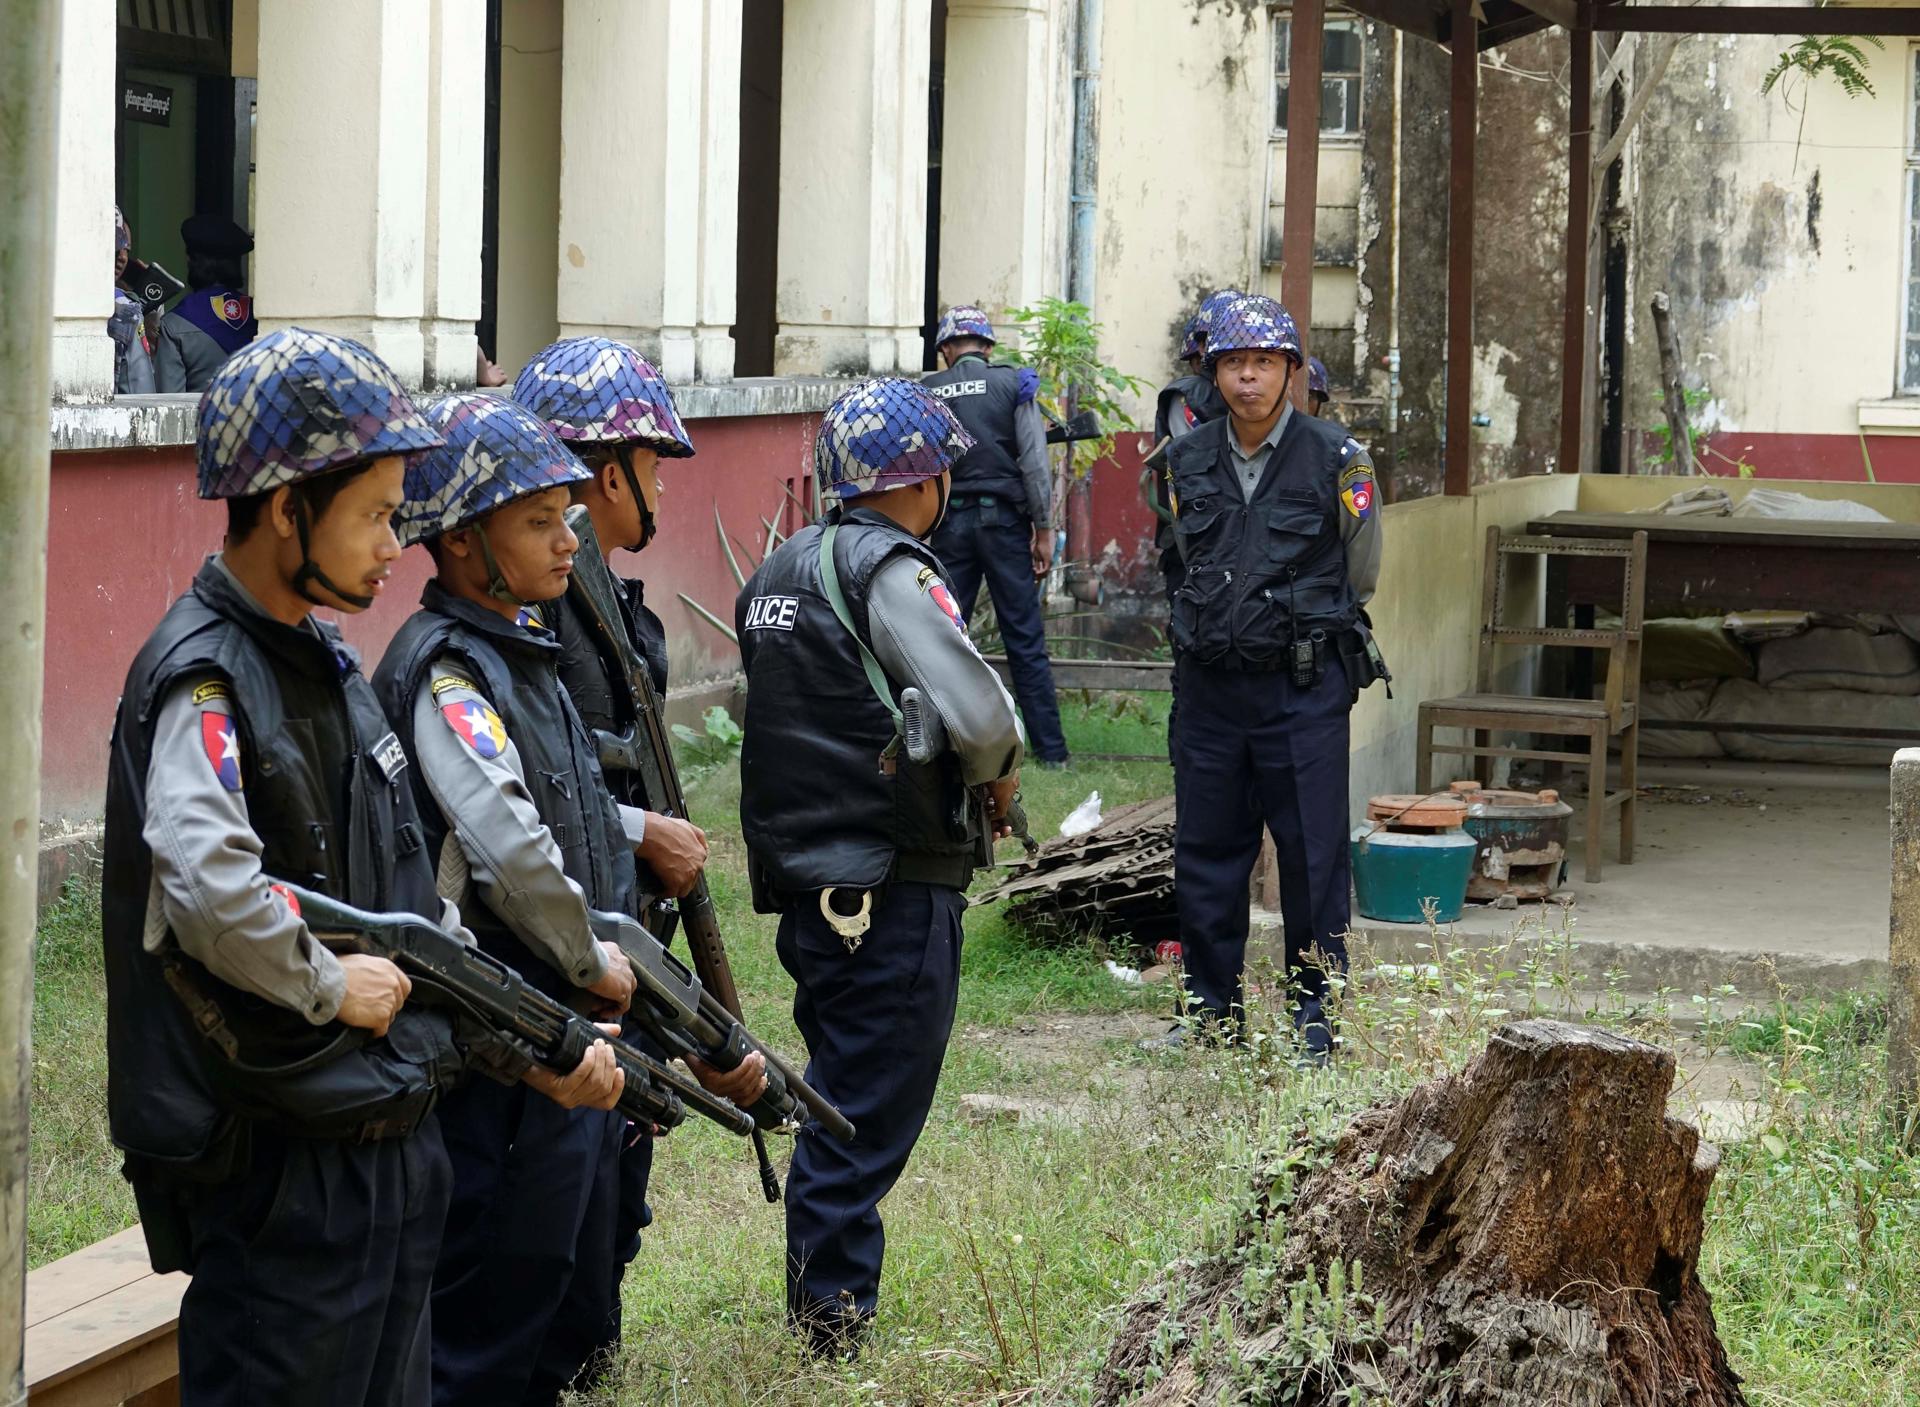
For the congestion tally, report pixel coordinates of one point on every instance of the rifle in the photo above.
(476, 985)
(925, 737)
(644, 747)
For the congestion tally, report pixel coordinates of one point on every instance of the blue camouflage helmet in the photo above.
(1201, 323)
(883, 434)
(1317, 384)
(1254, 323)
(594, 390)
(297, 403)
(963, 320)
(494, 452)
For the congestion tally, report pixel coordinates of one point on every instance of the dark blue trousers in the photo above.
(994, 542)
(311, 1275)
(876, 1023)
(1252, 749)
(520, 1298)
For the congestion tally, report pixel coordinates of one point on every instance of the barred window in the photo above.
(1340, 50)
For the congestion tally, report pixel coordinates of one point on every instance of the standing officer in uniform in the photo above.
(214, 319)
(864, 852)
(517, 809)
(1275, 519)
(999, 524)
(1318, 387)
(617, 414)
(304, 1193)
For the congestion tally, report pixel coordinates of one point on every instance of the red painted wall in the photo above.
(1831, 458)
(1119, 516)
(127, 533)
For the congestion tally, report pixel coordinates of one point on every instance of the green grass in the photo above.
(1012, 1247)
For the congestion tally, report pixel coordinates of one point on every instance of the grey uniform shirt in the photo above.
(514, 862)
(1360, 520)
(184, 357)
(208, 888)
(920, 641)
(1036, 470)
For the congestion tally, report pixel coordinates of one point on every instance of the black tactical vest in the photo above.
(326, 785)
(1203, 398)
(983, 398)
(823, 800)
(518, 671)
(1259, 573)
(597, 688)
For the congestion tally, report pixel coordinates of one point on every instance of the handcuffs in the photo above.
(851, 927)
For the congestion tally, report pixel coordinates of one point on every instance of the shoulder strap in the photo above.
(830, 583)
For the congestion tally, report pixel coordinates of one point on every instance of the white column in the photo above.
(341, 184)
(649, 140)
(853, 186)
(994, 189)
(83, 238)
(456, 176)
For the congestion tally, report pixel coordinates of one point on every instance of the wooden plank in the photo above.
(1683, 578)
(100, 1325)
(1892, 20)
(100, 1269)
(1141, 676)
(145, 1372)
(1788, 730)
(1461, 136)
(1683, 527)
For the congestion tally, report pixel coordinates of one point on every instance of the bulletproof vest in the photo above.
(1259, 573)
(1203, 398)
(518, 671)
(825, 797)
(983, 398)
(597, 688)
(326, 786)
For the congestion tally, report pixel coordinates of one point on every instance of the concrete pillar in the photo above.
(83, 244)
(341, 154)
(456, 176)
(853, 186)
(1903, 933)
(649, 170)
(994, 189)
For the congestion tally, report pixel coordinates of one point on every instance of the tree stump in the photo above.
(1523, 1234)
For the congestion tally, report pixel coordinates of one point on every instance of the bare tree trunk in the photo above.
(1673, 398)
(28, 102)
(1523, 1234)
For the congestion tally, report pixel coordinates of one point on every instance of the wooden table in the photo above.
(1699, 564)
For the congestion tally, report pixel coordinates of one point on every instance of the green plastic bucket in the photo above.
(1395, 873)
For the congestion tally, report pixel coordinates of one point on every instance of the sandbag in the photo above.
(1683, 703)
(1838, 658)
(1741, 701)
(1675, 650)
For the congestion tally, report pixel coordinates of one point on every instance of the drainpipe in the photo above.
(29, 101)
(1082, 583)
(1393, 300)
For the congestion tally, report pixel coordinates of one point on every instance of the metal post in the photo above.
(1460, 159)
(1903, 936)
(1303, 174)
(1573, 345)
(29, 101)
(1082, 250)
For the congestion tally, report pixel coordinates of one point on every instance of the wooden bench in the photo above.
(103, 1329)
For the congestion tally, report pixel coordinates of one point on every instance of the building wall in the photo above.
(529, 251)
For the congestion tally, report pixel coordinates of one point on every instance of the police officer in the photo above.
(132, 357)
(615, 411)
(1318, 387)
(1275, 519)
(516, 809)
(863, 851)
(214, 318)
(999, 524)
(274, 1101)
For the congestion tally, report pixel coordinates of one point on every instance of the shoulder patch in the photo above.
(1358, 498)
(1362, 470)
(220, 739)
(478, 726)
(943, 598)
(209, 691)
(444, 682)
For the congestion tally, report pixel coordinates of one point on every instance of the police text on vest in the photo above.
(772, 612)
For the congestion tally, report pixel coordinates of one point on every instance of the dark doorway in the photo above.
(757, 254)
(936, 118)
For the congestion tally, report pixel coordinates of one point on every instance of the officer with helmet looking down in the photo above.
(1319, 389)
(1275, 519)
(516, 811)
(880, 761)
(999, 523)
(277, 1103)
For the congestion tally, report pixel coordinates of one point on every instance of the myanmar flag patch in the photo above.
(1359, 499)
(479, 727)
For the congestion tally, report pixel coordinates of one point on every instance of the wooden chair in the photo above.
(1483, 712)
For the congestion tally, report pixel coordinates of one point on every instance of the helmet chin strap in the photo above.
(946, 494)
(624, 454)
(309, 572)
(496, 579)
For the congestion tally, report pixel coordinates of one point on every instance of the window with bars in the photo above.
(1910, 338)
(1340, 50)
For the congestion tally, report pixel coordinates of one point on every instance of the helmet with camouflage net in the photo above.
(963, 320)
(1201, 323)
(495, 452)
(884, 434)
(297, 403)
(1252, 324)
(594, 390)
(1317, 384)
